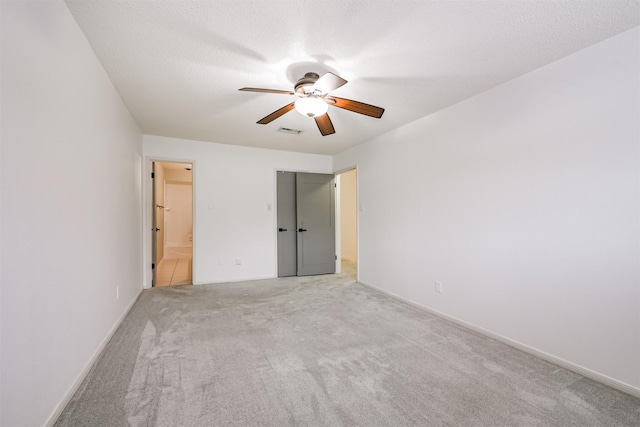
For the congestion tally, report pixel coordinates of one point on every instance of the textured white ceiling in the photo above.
(178, 64)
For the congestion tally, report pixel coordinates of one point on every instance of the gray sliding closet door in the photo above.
(287, 252)
(315, 201)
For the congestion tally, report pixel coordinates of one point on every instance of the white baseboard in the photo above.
(233, 280)
(76, 384)
(588, 373)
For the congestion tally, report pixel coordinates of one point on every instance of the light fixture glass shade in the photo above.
(311, 106)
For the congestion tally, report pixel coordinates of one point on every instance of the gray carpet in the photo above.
(322, 351)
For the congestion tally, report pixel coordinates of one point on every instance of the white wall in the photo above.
(71, 211)
(524, 202)
(234, 202)
(178, 219)
(348, 216)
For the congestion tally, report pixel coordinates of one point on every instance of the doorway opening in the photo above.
(348, 234)
(172, 230)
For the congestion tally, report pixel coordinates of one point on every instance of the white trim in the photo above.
(237, 279)
(588, 373)
(96, 354)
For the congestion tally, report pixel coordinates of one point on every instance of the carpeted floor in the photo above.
(322, 351)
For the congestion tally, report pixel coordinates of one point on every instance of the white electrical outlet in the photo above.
(438, 286)
(117, 292)
(238, 261)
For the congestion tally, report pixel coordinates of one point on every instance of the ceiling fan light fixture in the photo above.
(311, 106)
(312, 101)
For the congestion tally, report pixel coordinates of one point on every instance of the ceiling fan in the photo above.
(313, 100)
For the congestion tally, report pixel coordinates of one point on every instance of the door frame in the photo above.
(339, 220)
(336, 174)
(147, 216)
(275, 212)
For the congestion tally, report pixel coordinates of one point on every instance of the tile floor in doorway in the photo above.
(174, 271)
(349, 267)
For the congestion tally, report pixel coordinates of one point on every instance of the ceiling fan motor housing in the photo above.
(304, 86)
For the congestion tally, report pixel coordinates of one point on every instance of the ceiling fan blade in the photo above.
(328, 82)
(324, 124)
(255, 89)
(355, 106)
(271, 117)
